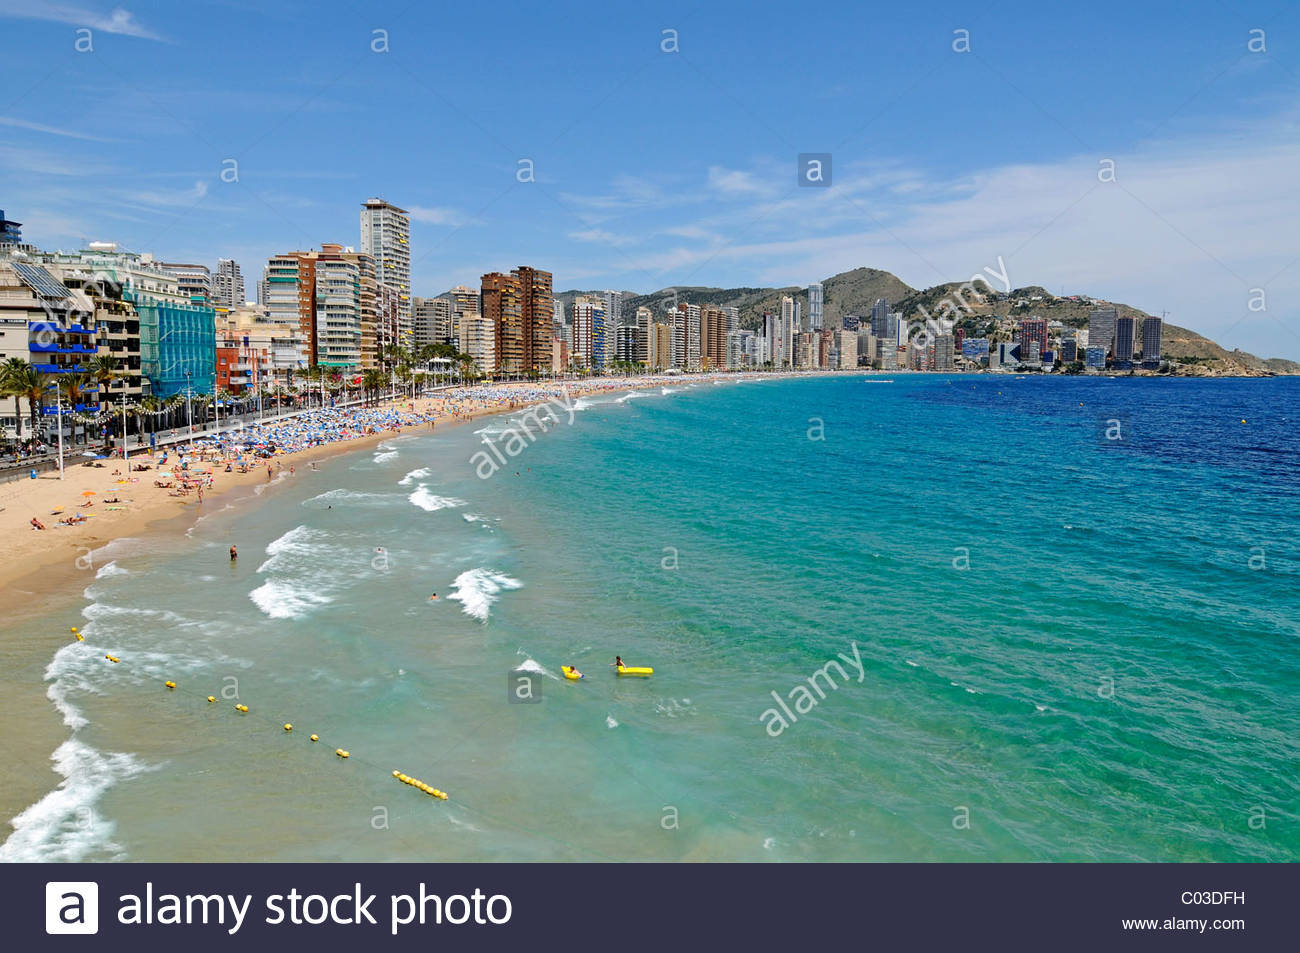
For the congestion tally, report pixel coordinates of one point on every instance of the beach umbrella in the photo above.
(87, 492)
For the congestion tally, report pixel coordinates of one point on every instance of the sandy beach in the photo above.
(46, 571)
(35, 559)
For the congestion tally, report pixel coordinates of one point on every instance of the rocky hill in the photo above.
(856, 291)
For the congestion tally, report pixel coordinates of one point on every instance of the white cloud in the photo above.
(434, 215)
(602, 237)
(119, 21)
(1189, 227)
(49, 130)
(738, 182)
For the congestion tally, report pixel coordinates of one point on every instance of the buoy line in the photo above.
(342, 754)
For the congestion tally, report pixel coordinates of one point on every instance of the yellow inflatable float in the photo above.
(629, 670)
(571, 673)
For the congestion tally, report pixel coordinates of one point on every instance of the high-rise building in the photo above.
(1152, 334)
(537, 317)
(425, 320)
(1069, 350)
(1033, 336)
(884, 325)
(228, 284)
(613, 312)
(626, 343)
(847, 350)
(323, 292)
(1125, 337)
(1095, 357)
(713, 338)
(815, 306)
(784, 352)
(686, 337)
(386, 237)
(521, 308)
(659, 346)
(589, 332)
(1101, 328)
(478, 338)
(644, 322)
(195, 281)
(502, 305)
(944, 352)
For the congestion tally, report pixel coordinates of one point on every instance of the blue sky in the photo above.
(657, 168)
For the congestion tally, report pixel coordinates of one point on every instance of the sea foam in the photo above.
(478, 589)
(427, 500)
(64, 825)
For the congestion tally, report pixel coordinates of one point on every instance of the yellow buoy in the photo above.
(170, 684)
(288, 727)
(341, 753)
(241, 708)
(397, 774)
(80, 637)
(112, 658)
(211, 699)
(315, 737)
(1243, 420)
(74, 628)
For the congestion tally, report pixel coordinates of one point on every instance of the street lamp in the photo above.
(189, 413)
(58, 403)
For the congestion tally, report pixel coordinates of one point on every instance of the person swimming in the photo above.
(618, 661)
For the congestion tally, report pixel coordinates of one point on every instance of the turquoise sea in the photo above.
(1071, 648)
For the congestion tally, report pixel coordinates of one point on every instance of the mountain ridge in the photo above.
(856, 290)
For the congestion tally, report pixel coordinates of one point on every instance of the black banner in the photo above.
(654, 907)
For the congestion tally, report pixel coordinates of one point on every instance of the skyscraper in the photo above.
(1125, 333)
(644, 323)
(537, 317)
(502, 305)
(686, 337)
(713, 338)
(386, 237)
(1101, 328)
(783, 346)
(1152, 334)
(945, 347)
(589, 332)
(1033, 335)
(613, 311)
(815, 306)
(228, 284)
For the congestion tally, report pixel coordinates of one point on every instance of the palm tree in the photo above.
(103, 368)
(372, 382)
(11, 372)
(32, 384)
(76, 387)
(147, 405)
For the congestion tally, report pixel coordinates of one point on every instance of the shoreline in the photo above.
(50, 581)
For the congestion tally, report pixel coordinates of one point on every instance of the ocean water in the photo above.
(1051, 645)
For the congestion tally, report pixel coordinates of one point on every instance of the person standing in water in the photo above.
(233, 555)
